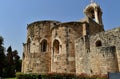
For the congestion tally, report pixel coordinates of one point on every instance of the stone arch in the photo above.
(43, 44)
(98, 43)
(28, 45)
(60, 45)
(94, 12)
(56, 46)
(90, 12)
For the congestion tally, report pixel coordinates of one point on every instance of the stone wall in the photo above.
(65, 33)
(37, 49)
(50, 46)
(94, 27)
(102, 54)
(109, 38)
(103, 60)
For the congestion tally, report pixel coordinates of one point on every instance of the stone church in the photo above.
(72, 47)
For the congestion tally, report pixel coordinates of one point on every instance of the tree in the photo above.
(2, 56)
(17, 62)
(9, 63)
(10, 71)
(13, 62)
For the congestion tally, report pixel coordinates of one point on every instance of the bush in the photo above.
(20, 75)
(58, 76)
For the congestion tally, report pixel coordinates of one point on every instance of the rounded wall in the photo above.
(38, 45)
(39, 31)
(63, 60)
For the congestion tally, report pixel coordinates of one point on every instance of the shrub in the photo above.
(54, 75)
(20, 75)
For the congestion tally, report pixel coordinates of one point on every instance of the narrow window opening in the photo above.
(44, 46)
(56, 45)
(98, 43)
(28, 45)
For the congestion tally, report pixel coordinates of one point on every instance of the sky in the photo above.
(16, 14)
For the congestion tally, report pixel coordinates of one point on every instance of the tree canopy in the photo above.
(2, 56)
(9, 63)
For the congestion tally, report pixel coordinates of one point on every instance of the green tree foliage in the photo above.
(10, 70)
(9, 63)
(2, 56)
(13, 63)
(17, 61)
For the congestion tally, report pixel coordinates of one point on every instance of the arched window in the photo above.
(56, 45)
(43, 46)
(28, 45)
(98, 43)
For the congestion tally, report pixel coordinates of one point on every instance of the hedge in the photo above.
(58, 76)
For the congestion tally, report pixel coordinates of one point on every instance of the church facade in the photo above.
(72, 47)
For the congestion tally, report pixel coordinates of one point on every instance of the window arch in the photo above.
(44, 45)
(56, 45)
(28, 45)
(98, 43)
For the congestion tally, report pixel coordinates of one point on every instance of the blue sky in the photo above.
(16, 14)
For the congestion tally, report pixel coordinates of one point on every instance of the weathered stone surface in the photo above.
(77, 47)
(102, 59)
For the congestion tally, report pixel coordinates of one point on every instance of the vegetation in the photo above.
(2, 56)
(9, 63)
(58, 76)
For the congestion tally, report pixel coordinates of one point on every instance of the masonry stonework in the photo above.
(72, 47)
